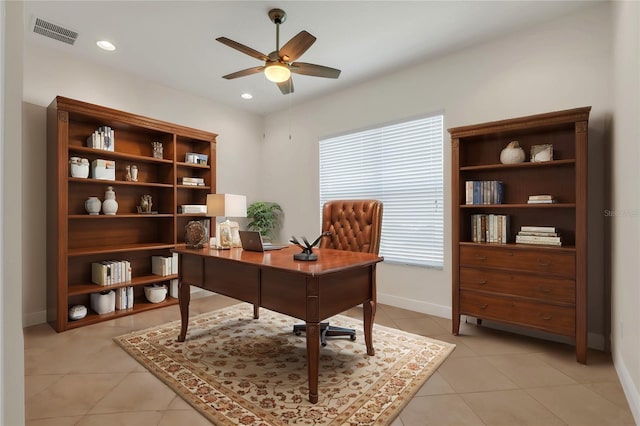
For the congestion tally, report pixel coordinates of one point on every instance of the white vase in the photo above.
(512, 154)
(109, 205)
(92, 205)
(79, 167)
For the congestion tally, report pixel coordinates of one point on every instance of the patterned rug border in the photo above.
(384, 417)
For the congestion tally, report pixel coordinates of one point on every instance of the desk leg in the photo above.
(184, 297)
(256, 311)
(369, 314)
(313, 357)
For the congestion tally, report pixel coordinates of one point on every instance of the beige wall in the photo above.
(624, 220)
(11, 340)
(563, 64)
(49, 73)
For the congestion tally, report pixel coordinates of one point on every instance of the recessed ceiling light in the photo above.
(246, 96)
(106, 45)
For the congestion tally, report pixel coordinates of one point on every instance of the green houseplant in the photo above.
(264, 217)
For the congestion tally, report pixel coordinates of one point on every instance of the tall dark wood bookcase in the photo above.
(76, 239)
(533, 286)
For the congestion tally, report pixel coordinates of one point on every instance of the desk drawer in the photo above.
(518, 284)
(555, 262)
(233, 279)
(554, 319)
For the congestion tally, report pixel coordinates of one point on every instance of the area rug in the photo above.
(236, 370)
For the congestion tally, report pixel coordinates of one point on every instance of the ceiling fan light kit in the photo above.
(279, 65)
(278, 73)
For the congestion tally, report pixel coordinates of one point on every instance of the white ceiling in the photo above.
(173, 42)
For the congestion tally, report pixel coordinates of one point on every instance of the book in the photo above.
(541, 197)
(531, 239)
(174, 263)
(194, 208)
(541, 201)
(99, 273)
(539, 234)
(538, 228)
(161, 265)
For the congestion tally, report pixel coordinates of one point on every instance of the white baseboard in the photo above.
(628, 386)
(595, 341)
(415, 305)
(34, 318)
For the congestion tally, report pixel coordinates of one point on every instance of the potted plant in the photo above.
(264, 217)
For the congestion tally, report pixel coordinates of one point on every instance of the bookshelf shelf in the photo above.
(535, 286)
(76, 239)
(520, 206)
(88, 288)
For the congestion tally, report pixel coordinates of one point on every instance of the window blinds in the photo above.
(401, 165)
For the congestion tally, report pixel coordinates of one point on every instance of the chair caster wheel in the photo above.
(297, 333)
(353, 338)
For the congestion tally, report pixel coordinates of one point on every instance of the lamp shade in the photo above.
(226, 205)
(277, 72)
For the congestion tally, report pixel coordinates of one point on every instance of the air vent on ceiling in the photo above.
(56, 32)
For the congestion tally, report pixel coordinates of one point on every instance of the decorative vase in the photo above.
(512, 154)
(79, 167)
(92, 205)
(134, 173)
(110, 205)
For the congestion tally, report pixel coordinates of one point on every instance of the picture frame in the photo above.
(196, 158)
(541, 153)
(228, 235)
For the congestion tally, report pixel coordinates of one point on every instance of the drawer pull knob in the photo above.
(483, 306)
(545, 290)
(481, 257)
(544, 262)
(510, 253)
(483, 282)
(546, 317)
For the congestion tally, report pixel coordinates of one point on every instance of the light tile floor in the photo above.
(81, 377)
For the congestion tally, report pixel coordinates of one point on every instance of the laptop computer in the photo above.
(252, 241)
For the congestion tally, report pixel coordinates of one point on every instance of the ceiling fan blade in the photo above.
(314, 70)
(242, 48)
(248, 71)
(296, 46)
(286, 87)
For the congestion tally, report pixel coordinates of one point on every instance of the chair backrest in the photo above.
(355, 225)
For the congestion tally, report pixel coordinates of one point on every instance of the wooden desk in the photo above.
(309, 291)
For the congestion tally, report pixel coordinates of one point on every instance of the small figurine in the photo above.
(307, 250)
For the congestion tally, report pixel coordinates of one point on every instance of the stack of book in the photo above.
(193, 208)
(110, 272)
(124, 298)
(192, 181)
(490, 228)
(483, 192)
(164, 265)
(541, 199)
(541, 235)
(103, 138)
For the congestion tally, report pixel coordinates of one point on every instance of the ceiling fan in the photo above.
(278, 65)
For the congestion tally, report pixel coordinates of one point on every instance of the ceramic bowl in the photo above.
(155, 293)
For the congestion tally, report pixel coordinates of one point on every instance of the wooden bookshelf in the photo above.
(75, 239)
(532, 286)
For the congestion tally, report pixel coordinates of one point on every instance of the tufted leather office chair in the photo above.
(355, 225)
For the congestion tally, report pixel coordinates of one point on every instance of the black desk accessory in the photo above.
(307, 250)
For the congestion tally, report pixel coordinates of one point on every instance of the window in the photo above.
(401, 165)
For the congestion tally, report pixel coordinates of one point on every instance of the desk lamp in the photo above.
(227, 205)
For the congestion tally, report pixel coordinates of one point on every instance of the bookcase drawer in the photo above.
(551, 318)
(553, 262)
(540, 287)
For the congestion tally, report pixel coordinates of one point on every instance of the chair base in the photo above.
(326, 330)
